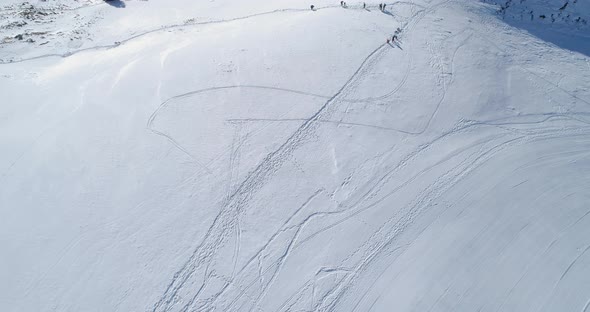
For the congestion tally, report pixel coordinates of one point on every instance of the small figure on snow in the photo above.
(312, 7)
(364, 5)
(342, 3)
(380, 7)
(384, 6)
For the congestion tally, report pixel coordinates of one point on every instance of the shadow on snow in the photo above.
(115, 3)
(567, 37)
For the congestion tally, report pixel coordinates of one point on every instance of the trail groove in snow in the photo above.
(289, 160)
(202, 254)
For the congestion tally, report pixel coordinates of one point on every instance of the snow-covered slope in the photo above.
(257, 155)
(575, 13)
(565, 23)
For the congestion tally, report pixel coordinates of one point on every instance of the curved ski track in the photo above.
(188, 282)
(226, 222)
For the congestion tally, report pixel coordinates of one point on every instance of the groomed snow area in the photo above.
(227, 155)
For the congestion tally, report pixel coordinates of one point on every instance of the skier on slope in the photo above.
(312, 7)
(380, 7)
(384, 6)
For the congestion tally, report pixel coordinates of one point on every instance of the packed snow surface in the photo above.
(232, 155)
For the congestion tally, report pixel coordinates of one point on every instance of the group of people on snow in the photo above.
(392, 39)
(344, 5)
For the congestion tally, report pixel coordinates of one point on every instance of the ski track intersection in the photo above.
(273, 158)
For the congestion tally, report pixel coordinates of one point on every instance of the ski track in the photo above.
(185, 287)
(164, 28)
(255, 179)
(335, 122)
(169, 27)
(360, 74)
(268, 164)
(163, 105)
(541, 256)
(470, 168)
(546, 118)
(406, 183)
(563, 275)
